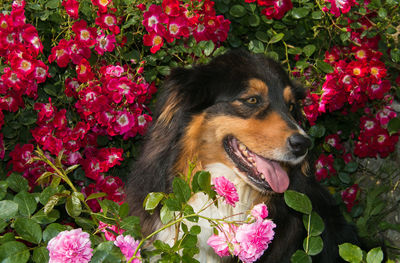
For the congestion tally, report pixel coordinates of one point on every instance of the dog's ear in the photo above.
(298, 90)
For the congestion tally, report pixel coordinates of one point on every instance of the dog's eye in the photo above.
(252, 100)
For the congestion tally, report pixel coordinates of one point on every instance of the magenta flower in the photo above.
(70, 247)
(254, 239)
(226, 189)
(259, 211)
(128, 246)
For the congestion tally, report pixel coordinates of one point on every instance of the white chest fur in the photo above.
(247, 196)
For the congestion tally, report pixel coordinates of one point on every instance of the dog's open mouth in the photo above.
(263, 173)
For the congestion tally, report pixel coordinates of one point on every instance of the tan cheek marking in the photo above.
(168, 112)
(288, 95)
(191, 142)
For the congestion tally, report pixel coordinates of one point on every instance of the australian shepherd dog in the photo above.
(237, 116)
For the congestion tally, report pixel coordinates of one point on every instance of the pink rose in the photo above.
(70, 247)
(128, 245)
(259, 211)
(226, 189)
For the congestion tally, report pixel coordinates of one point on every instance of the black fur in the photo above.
(211, 88)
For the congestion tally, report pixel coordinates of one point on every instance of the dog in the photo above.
(237, 116)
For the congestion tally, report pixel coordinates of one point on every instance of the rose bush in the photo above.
(77, 81)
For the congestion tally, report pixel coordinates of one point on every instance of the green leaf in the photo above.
(40, 255)
(17, 183)
(130, 223)
(317, 131)
(300, 257)
(209, 48)
(317, 225)
(237, 11)
(295, 51)
(351, 167)
(46, 194)
(189, 241)
(14, 252)
(394, 125)
(256, 46)
(317, 15)
(96, 195)
(73, 206)
(26, 203)
(164, 70)
(28, 229)
(181, 189)
(382, 13)
(42, 218)
(195, 230)
(204, 181)
(344, 177)
(375, 255)
(152, 200)
(309, 50)
(254, 20)
(8, 209)
(166, 215)
(52, 230)
(262, 36)
(123, 210)
(299, 13)
(188, 210)
(276, 38)
(162, 246)
(173, 204)
(298, 201)
(315, 245)
(323, 66)
(106, 252)
(53, 200)
(52, 4)
(351, 253)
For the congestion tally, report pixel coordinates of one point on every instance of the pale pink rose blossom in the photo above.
(226, 189)
(128, 245)
(254, 239)
(259, 211)
(225, 240)
(72, 246)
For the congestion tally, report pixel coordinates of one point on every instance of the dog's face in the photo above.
(244, 114)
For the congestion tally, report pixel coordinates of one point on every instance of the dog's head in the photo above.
(241, 110)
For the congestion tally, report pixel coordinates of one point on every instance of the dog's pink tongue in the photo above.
(275, 176)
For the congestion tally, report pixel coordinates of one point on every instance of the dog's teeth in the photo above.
(245, 153)
(262, 176)
(251, 160)
(242, 147)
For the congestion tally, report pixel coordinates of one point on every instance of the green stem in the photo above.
(308, 233)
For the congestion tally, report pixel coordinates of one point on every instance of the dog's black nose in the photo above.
(299, 144)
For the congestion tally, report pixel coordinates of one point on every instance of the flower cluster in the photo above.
(339, 7)
(374, 138)
(247, 241)
(114, 104)
(349, 196)
(275, 8)
(175, 19)
(72, 246)
(324, 167)
(20, 46)
(110, 185)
